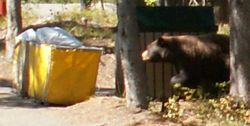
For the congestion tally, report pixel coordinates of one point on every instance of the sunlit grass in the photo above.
(88, 23)
(94, 15)
(224, 29)
(29, 15)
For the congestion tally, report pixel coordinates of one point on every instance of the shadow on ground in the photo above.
(9, 98)
(105, 91)
(2, 44)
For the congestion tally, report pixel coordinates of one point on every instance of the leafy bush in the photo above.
(172, 110)
(223, 110)
(150, 2)
(199, 93)
(231, 110)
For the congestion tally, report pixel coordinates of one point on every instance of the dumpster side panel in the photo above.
(38, 60)
(72, 75)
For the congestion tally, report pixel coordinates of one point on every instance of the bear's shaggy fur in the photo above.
(197, 59)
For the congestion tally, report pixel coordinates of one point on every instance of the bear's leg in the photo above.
(180, 78)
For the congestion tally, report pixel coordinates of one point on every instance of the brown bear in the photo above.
(197, 59)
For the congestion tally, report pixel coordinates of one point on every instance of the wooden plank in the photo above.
(167, 77)
(184, 33)
(158, 80)
(201, 33)
(158, 34)
(142, 41)
(150, 68)
(176, 33)
(159, 72)
(193, 33)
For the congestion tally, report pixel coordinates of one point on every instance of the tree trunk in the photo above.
(119, 76)
(239, 18)
(102, 4)
(132, 64)
(14, 25)
(83, 5)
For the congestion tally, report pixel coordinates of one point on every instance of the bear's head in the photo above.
(159, 50)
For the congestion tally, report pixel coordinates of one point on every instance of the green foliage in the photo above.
(229, 109)
(224, 29)
(199, 93)
(86, 32)
(172, 109)
(85, 25)
(224, 109)
(29, 15)
(223, 88)
(74, 25)
(154, 106)
(96, 15)
(150, 2)
(188, 93)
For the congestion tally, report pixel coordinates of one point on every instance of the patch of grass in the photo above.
(86, 32)
(88, 23)
(95, 16)
(29, 15)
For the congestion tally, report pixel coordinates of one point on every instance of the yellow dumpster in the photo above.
(61, 74)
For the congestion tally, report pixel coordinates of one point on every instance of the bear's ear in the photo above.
(160, 42)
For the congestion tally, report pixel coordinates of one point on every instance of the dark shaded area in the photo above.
(105, 91)
(5, 83)
(2, 44)
(176, 19)
(11, 99)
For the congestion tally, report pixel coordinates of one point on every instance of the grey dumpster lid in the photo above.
(176, 19)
